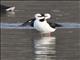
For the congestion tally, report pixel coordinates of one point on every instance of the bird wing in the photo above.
(29, 22)
(53, 25)
(3, 7)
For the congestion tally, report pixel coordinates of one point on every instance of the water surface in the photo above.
(25, 43)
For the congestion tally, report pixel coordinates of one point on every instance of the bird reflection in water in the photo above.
(11, 14)
(44, 48)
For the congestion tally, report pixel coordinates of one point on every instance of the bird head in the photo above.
(39, 16)
(47, 16)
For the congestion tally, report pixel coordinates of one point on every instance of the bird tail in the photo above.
(10, 9)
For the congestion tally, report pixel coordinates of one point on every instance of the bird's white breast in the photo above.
(43, 27)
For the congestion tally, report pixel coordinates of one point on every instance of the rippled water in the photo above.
(25, 43)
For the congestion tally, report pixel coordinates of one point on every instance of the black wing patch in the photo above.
(4, 7)
(29, 22)
(54, 25)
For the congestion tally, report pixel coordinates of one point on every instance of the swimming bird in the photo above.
(41, 24)
(4, 8)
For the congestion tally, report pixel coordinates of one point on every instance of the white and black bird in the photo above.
(40, 23)
(4, 8)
